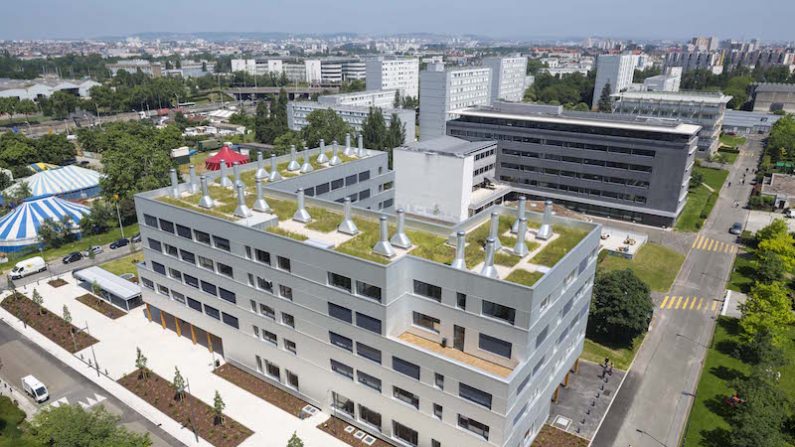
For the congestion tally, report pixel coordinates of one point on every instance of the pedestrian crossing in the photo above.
(707, 244)
(690, 303)
(747, 154)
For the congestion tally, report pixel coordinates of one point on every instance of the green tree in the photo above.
(134, 165)
(775, 229)
(605, 103)
(396, 103)
(38, 300)
(181, 121)
(60, 104)
(762, 351)
(101, 217)
(67, 316)
(696, 179)
(140, 364)
(410, 102)
(396, 134)
(179, 384)
(534, 66)
(5, 180)
(769, 267)
(262, 122)
(54, 149)
(27, 108)
(169, 137)
(781, 140)
(72, 426)
(218, 409)
(17, 194)
(374, 129)
(325, 124)
(621, 307)
(760, 419)
(784, 246)
(295, 441)
(17, 153)
(768, 308)
(283, 142)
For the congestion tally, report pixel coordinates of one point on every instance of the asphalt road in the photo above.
(21, 357)
(652, 407)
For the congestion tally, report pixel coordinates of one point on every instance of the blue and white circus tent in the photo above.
(68, 182)
(20, 228)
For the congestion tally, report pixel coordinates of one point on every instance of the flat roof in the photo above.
(705, 97)
(109, 282)
(773, 87)
(780, 184)
(447, 145)
(677, 128)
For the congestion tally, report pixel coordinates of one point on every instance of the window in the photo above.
(340, 313)
(187, 256)
(202, 237)
(351, 180)
(227, 295)
(206, 263)
(230, 320)
(370, 417)
(267, 311)
(154, 245)
(159, 268)
(285, 292)
(495, 345)
(368, 322)
(368, 352)
(339, 281)
(250, 279)
(163, 290)
(273, 370)
(337, 184)
(171, 250)
(542, 336)
(368, 290)
(150, 221)
(437, 410)
(321, 189)
(406, 368)
(340, 341)
(342, 403)
(342, 369)
(248, 252)
(461, 300)
(255, 329)
(368, 380)
(191, 280)
(404, 433)
(148, 283)
(262, 256)
(288, 320)
(174, 273)
(195, 305)
(212, 312)
(264, 284)
(519, 414)
(406, 396)
(364, 175)
(221, 243)
(270, 337)
(474, 426)
(184, 231)
(426, 322)
(292, 379)
(435, 443)
(289, 345)
(523, 384)
(438, 380)
(209, 288)
(504, 313)
(364, 194)
(225, 270)
(166, 225)
(259, 363)
(475, 395)
(428, 290)
(283, 263)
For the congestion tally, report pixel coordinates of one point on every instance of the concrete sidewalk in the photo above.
(116, 351)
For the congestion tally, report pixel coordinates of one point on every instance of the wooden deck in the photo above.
(455, 354)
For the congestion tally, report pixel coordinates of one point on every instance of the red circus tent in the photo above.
(228, 155)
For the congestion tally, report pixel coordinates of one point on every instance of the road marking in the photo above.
(678, 302)
(693, 303)
(684, 305)
(665, 300)
(700, 302)
(671, 303)
(714, 305)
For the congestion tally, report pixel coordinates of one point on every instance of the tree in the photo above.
(324, 124)
(140, 364)
(181, 121)
(769, 267)
(696, 179)
(72, 426)
(60, 104)
(67, 316)
(410, 102)
(775, 229)
(17, 194)
(396, 103)
(621, 307)
(760, 419)
(396, 134)
(99, 219)
(295, 441)
(782, 245)
(95, 288)
(605, 104)
(762, 351)
(38, 300)
(768, 308)
(179, 384)
(169, 137)
(374, 129)
(5, 180)
(262, 122)
(134, 165)
(54, 148)
(284, 141)
(27, 107)
(218, 409)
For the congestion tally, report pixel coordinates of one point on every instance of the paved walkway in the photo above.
(116, 353)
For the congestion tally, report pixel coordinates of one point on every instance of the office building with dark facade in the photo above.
(614, 166)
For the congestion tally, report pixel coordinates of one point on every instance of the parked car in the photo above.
(94, 249)
(28, 267)
(736, 229)
(788, 213)
(120, 243)
(35, 388)
(127, 276)
(136, 237)
(72, 257)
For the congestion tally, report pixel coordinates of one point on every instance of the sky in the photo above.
(642, 19)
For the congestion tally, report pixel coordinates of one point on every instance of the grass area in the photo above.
(742, 275)
(732, 140)
(714, 178)
(700, 200)
(655, 264)
(198, 161)
(728, 155)
(125, 264)
(361, 246)
(286, 233)
(323, 220)
(621, 356)
(521, 276)
(707, 424)
(567, 239)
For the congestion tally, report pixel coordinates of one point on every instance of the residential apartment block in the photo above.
(614, 69)
(384, 99)
(508, 76)
(443, 91)
(618, 166)
(773, 97)
(297, 112)
(384, 73)
(153, 69)
(389, 330)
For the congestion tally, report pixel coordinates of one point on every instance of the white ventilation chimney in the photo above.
(194, 180)
(242, 209)
(488, 266)
(174, 183)
(545, 232)
(460, 255)
(383, 247)
(260, 204)
(206, 201)
(322, 157)
(348, 150)
(293, 165)
(361, 153)
(335, 159)
(520, 249)
(224, 180)
(301, 214)
(236, 170)
(347, 226)
(261, 173)
(307, 166)
(494, 230)
(400, 239)
(520, 213)
(274, 176)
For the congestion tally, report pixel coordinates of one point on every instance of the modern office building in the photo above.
(308, 71)
(614, 69)
(443, 91)
(335, 71)
(705, 109)
(695, 60)
(668, 81)
(507, 77)
(623, 167)
(385, 73)
(773, 97)
(368, 98)
(387, 333)
(742, 122)
(153, 69)
(297, 112)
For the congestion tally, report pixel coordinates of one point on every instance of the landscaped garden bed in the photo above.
(261, 389)
(336, 427)
(190, 411)
(57, 282)
(552, 437)
(48, 324)
(101, 306)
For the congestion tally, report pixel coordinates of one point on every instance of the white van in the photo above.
(35, 388)
(28, 267)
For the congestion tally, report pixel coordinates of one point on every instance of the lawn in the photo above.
(198, 161)
(654, 264)
(728, 155)
(732, 140)
(742, 275)
(620, 356)
(707, 425)
(558, 248)
(700, 200)
(124, 264)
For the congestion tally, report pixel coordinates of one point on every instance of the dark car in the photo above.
(72, 257)
(120, 243)
(736, 229)
(136, 238)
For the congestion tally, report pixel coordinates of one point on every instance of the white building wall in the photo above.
(448, 90)
(617, 69)
(401, 74)
(433, 185)
(313, 71)
(508, 77)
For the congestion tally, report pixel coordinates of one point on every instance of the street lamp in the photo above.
(652, 437)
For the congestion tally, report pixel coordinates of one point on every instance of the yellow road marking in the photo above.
(671, 303)
(665, 300)
(679, 301)
(714, 305)
(693, 303)
(703, 244)
(684, 305)
(700, 302)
